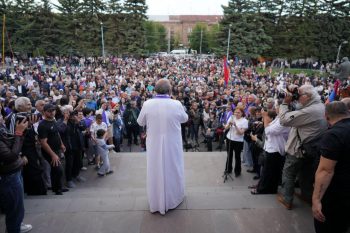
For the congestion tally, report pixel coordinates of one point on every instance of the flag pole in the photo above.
(3, 40)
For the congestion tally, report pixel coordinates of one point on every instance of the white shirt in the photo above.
(94, 127)
(276, 137)
(241, 123)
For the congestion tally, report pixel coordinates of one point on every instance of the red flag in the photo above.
(226, 71)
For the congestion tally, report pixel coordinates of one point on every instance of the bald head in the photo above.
(163, 86)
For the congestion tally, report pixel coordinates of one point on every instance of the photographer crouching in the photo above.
(11, 185)
(302, 110)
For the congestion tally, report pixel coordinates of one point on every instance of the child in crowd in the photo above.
(102, 151)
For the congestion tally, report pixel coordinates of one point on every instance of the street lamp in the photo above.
(102, 40)
(342, 43)
(228, 41)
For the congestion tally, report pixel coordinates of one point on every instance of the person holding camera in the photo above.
(307, 122)
(11, 186)
(33, 170)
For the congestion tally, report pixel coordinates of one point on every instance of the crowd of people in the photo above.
(61, 114)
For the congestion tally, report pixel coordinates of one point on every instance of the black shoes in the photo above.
(61, 191)
(251, 171)
(256, 177)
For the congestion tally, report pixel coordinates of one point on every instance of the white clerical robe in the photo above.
(165, 163)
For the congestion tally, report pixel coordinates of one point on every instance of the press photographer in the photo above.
(33, 161)
(307, 123)
(11, 185)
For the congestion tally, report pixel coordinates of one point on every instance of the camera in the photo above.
(22, 115)
(294, 92)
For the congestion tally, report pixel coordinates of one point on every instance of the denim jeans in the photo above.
(11, 201)
(247, 154)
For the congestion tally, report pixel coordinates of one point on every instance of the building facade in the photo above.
(182, 25)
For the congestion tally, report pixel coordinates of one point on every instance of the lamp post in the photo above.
(228, 41)
(102, 41)
(341, 44)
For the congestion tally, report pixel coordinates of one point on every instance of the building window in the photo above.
(189, 30)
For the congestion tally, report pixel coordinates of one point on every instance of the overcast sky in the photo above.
(183, 7)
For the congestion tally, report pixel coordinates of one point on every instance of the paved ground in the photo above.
(118, 203)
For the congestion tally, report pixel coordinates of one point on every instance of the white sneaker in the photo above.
(26, 227)
(83, 168)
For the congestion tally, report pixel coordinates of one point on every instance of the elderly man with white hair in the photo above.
(307, 123)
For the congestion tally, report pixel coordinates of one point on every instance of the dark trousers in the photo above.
(132, 132)
(116, 143)
(194, 129)
(271, 173)
(237, 147)
(73, 164)
(56, 175)
(336, 211)
(11, 201)
(255, 156)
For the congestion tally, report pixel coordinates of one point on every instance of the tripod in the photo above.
(226, 174)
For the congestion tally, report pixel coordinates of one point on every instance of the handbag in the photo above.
(312, 148)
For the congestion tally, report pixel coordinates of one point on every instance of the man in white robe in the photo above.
(162, 117)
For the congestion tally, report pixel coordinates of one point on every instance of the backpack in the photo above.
(131, 118)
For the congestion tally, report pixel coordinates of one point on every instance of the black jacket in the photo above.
(10, 149)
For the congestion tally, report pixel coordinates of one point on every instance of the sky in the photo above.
(183, 7)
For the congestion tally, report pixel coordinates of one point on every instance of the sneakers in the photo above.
(91, 163)
(287, 205)
(103, 175)
(83, 168)
(109, 172)
(80, 179)
(26, 227)
(70, 184)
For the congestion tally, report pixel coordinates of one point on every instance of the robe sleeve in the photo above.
(183, 117)
(141, 120)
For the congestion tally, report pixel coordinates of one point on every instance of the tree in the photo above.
(248, 36)
(134, 32)
(20, 25)
(114, 26)
(213, 36)
(47, 35)
(199, 38)
(70, 23)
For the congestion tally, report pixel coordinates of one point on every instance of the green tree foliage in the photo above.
(213, 35)
(155, 37)
(289, 28)
(248, 36)
(199, 38)
(270, 28)
(133, 31)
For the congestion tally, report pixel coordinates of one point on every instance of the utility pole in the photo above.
(3, 40)
(228, 41)
(169, 35)
(200, 46)
(102, 41)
